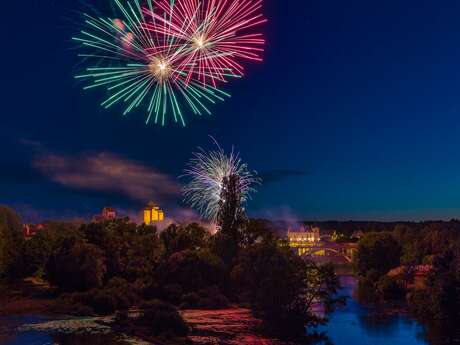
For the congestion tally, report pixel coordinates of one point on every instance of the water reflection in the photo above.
(41, 338)
(441, 333)
(32, 330)
(87, 339)
(360, 322)
(369, 324)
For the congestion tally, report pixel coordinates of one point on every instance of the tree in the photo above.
(256, 231)
(441, 297)
(178, 238)
(377, 254)
(282, 288)
(130, 251)
(38, 249)
(192, 270)
(11, 243)
(76, 266)
(231, 220)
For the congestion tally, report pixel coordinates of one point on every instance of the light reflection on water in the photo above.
(361, 324)
(12, 333)
(354, 324)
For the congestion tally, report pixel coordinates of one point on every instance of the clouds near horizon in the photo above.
(106, 172)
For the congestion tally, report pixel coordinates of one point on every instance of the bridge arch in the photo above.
(314, 251)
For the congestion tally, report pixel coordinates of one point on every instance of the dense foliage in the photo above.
(105, 267)
(282, 288)
(11, 243)
(377, 254)
(419, 262)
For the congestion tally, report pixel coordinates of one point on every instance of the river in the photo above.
(357, 323)
(366, 323)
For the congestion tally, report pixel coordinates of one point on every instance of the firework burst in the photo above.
(207, 172)
(139, 67)
(216, 34)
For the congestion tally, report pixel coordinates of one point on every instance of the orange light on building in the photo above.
(153, 214)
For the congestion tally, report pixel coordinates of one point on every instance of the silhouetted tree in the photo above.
(441, 297)
(377, 254)
(130, 251)
(76, 266)
(231, 220)
(191, 270)
(11, 244)
(178, 238)
(282, 288)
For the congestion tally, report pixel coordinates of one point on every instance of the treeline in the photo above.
(347, 228)
(418, 262)
(103, 268)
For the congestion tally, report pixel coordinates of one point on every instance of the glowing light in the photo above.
(119, 24)
(207, 172)
(153, 213)
(200, 42)
(160, 69)
(140, 68)
(219, 34)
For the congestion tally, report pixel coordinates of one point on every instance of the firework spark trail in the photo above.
(215, 33)
(207, 171)
(151, 66)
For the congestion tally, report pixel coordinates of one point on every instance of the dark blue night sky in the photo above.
(355, 114)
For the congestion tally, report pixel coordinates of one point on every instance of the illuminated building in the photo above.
(108, 213)
(31, 230)
(153, 213)
(307, 242)
(303, 238)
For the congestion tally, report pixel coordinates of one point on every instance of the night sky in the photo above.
(355, 114)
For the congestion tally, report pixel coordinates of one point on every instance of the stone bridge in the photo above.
(326, 249)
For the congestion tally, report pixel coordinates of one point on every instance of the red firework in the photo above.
(212, 36)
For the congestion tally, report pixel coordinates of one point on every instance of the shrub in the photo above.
(190, 301)
(124, 293)
(163, 319)
(101, 301)
(172, 293)
(420, 303)
(210, 298)
(68, 304)
(117, 295)
(390, 288)
(104, 303)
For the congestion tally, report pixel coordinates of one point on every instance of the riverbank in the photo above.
(27, 310)
(27, 297)
(231, 326)
(358, 323)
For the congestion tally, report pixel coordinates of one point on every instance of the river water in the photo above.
(366, 323)
(355, 324)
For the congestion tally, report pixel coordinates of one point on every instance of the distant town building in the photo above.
(414, 277)
(308, 242)
(30, 230)
(357, 234)
(153, 213)
(108, 213)
(304, 236)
